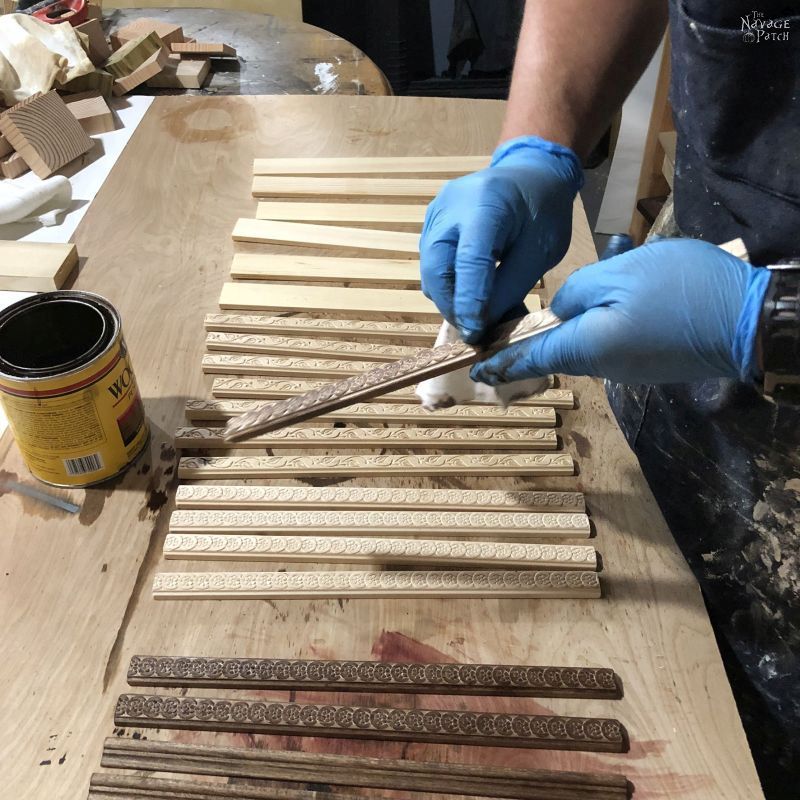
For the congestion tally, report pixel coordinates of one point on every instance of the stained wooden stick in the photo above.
(375, 773)
(370, 165)
(317, 675)
(236, 467)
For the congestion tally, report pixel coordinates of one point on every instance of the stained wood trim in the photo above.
(383, 724)
(521, 524)
(393, 413)
(268, 231)
(275, 389)
(493, 439)
(291, 186)
(365, 165)
(354, 498)
(376, 773)
(299, 211)
(236, 467)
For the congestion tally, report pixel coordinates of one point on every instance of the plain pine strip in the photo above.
(292, 186)
(366, 165)
(298, 211)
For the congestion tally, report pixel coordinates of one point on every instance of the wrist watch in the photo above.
(779, 333)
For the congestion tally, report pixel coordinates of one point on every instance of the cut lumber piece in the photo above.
(316, 675)
(408, 332)
(291, 186)
(335, 522)
(44, 133)
(133, 55)
(385, 377)
(298, 211)
(413, 584)
(13, 166)
(148, 70)
(240, 364)
(35, 266)
(393, 413)
(355, 498)
(403, 466)
(363, 165)
(254, 343)
(99, 49)
(180, 73)
(99, 80)
(377, 773)
(310, 438)
(91, 110)
(203, 50)
(168, 32)
(303, 233)
(5, 147)
(310, 269)
(278, 389)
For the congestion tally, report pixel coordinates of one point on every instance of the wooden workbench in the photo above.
(76, 600)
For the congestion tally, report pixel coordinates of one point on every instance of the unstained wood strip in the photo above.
(505, 680)
(291, 186)
(254, 343)
(370, 165)
(203, 49)
(369, 330)
(35, 266)
(377, 550)
(277, 389)
(354, 498)
(312, 269)
(493, 439)
(385, 378)
(373, 466)
(393, 413)
(146, 755)
(363, 722)
(299, 211)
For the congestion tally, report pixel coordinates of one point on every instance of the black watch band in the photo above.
(779, 333)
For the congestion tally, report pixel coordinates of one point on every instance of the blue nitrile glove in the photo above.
(517, 211)
(672, 311)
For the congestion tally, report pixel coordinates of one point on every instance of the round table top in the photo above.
(275, 55)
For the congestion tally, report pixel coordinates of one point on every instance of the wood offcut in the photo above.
(292, 186)
(370, 165)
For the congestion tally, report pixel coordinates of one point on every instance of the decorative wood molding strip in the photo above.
(370, 165)
(322, 187)
(505, 680)
(358, 722)
(377, 550)
(386, 377)
(310, 348)
(272, 389)
(236, 467)
(366, 213)
(494, 439)
(269, 231)
(255, 498)
(310, 269)
(410, 332)
(375, 773)
(393, 413)
(278, 366)
(386, 523)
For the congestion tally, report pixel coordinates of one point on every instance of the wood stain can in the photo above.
(68, 388)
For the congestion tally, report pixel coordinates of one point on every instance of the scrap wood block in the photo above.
(43, 131)
(92, 111)
(13, 166)
(180, 74)
(166, 31)
(5, 147)
(99, 80)
(203, 50)
(98, 48)
(148, 70)
(133, 55)
(35, 266)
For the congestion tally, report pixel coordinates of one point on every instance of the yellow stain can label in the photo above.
(68, 388)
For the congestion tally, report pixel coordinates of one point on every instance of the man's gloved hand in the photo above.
(517, 211)
(673, 311)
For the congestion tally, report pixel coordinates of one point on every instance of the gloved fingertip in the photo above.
(479, 374)
(470, 335)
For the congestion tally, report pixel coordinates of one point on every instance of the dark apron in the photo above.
(722, 462)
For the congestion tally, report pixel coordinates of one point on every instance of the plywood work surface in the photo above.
(76, 597)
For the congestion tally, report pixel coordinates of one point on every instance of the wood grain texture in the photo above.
(311, 438)
(252, 296)
(522, 524)
(35, 266)
(44, 133)
(98, 47)
(253, 497)
(146, 72)
(371, 165)
(179, 73)
(291, 186)
(168, 32)
(393, 413)
(203, 50)
(91, 110)
(377, 550)
(414, 466)
(217, 341)
(298, 211)
(310, 269)
(376, 773)
(510, 680)
(133, 54)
